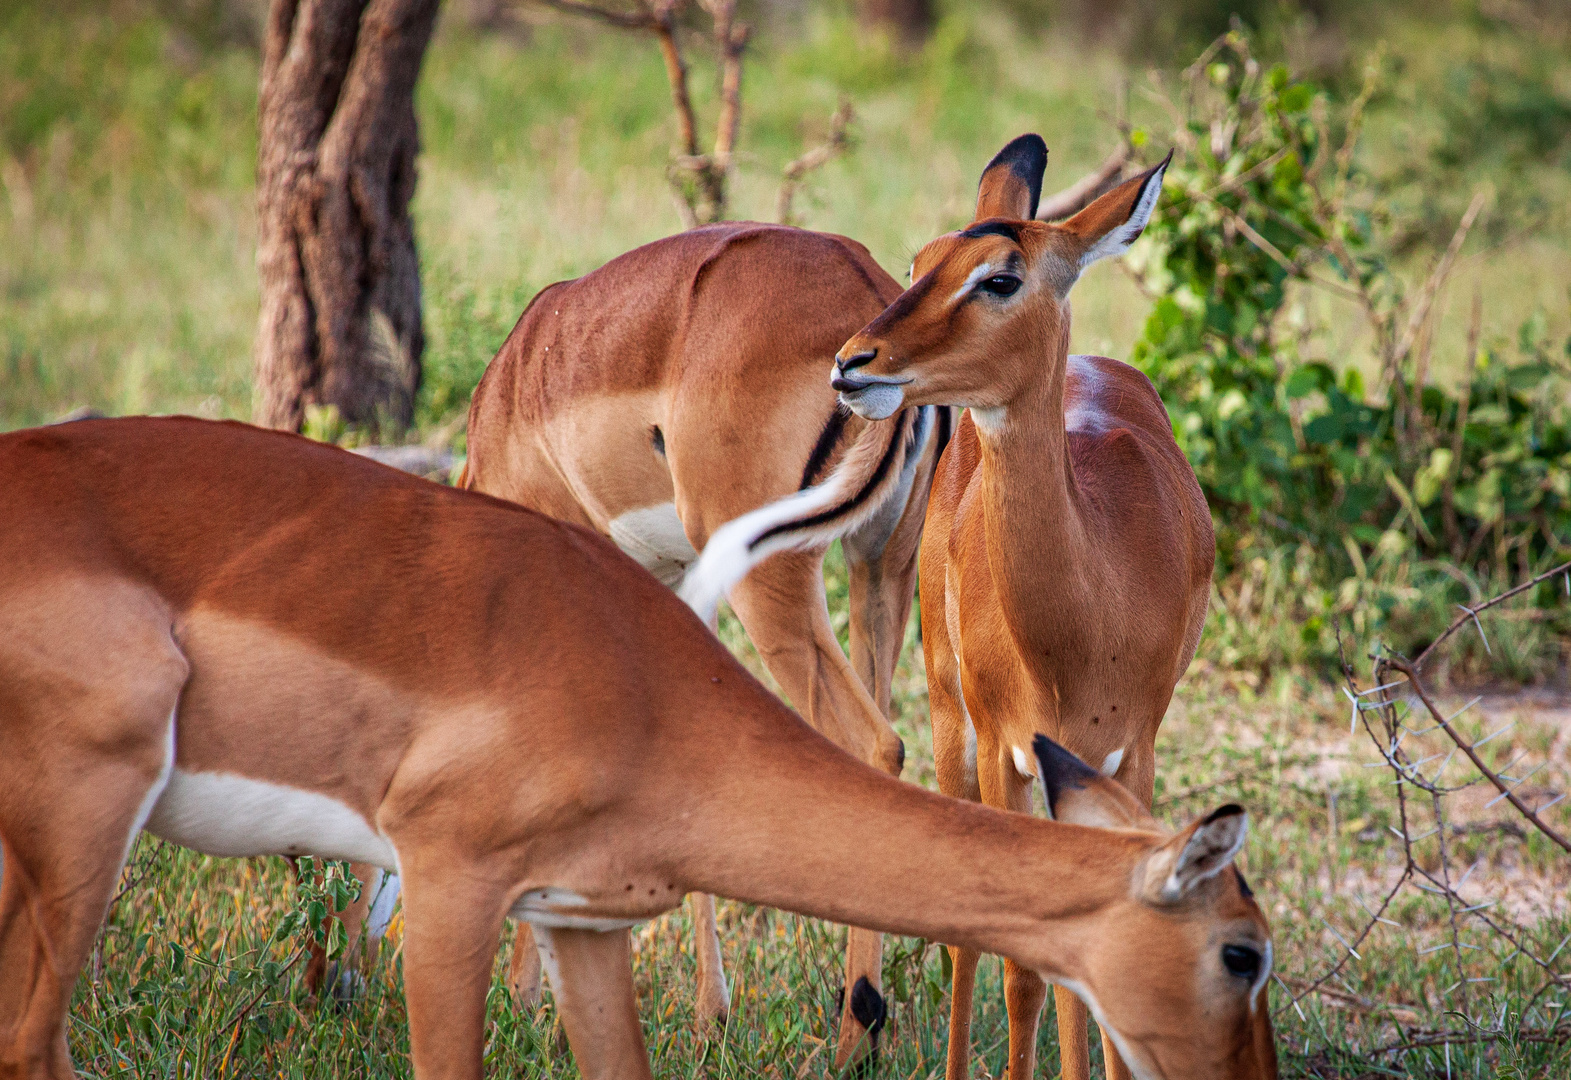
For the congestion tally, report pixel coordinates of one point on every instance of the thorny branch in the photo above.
(1383, 710)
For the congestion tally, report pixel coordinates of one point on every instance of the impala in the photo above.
(251, 644)
(1066, 560)
(677, 387)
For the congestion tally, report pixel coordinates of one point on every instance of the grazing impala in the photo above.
(677, 387)
(253, 644)
(1066, 562)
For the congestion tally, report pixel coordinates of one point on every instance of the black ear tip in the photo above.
(1230, 810)
(1025, 156)
(1060, 767)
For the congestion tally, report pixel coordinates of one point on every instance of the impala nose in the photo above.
(855, 360)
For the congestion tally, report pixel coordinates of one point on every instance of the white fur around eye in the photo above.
(972, 278)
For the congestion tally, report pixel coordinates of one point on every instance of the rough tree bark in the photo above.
(908, 21)
(340, 322)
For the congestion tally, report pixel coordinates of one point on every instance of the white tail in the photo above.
(813, 517)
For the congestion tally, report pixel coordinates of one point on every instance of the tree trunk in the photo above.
(907, 21)
(340, 322)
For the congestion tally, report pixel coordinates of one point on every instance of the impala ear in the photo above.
(1076, 793)
(1197, 854)
(1012, 182)
(1114, 221)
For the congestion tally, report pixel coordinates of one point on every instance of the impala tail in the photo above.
(874, 468)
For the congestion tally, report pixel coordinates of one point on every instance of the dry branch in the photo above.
(1471, 614)
(1467, 748)
(793, 174)
(698, 179)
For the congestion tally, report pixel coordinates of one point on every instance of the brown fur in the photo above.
(1066, 562)
(718, 338)
(514, 706)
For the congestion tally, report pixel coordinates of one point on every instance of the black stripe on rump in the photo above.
(854, 501)
(828, 439)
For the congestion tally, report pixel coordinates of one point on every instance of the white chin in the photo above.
(875, 402)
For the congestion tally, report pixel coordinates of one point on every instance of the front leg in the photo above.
(452, 927)
(714, 996)
(591, 973)
(1025, 992)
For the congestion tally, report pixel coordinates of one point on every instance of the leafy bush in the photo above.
(1436, 489)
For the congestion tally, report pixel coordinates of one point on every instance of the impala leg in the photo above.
(881, 565)
(1025, 992)
(359, 949)
(961, 992)
(954, 759)
(523, 971)
(714, 996)
(781, 604)
(1074, 1051)
(57, 881)
(1116, 1069)
(452, 926)
(79, 772)
(591, 975)
(65, 829)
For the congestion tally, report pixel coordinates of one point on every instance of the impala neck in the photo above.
(1037, 545)
(813, 831)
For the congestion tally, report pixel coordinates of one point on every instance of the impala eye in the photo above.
(1000, 285)
(1242, 961)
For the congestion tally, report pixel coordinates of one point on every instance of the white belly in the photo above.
(225, 814)
(654, 536)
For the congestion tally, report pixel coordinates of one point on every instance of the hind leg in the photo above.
(86, 744)
(781, 605)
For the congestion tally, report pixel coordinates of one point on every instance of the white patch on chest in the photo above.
(1111, 763)
(653, 535)
(230, 815)
(1085, 414)
(542, 907)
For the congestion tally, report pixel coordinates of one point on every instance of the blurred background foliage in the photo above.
(1349, 488)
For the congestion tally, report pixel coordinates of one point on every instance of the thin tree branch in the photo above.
(815, 158)
(1470, 614)
(1466, 747)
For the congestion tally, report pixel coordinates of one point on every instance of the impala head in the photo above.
(1182, 983)
(988, 306)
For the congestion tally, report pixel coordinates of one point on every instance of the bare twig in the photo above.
(1419, 314)
(697, 179)
(642, 19)
(234, 1035)
(792, 175)
(1410, 670)
(1470, 614)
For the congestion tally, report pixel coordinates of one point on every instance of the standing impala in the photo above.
(251, 644)
(679, 386)
(1066, 560)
